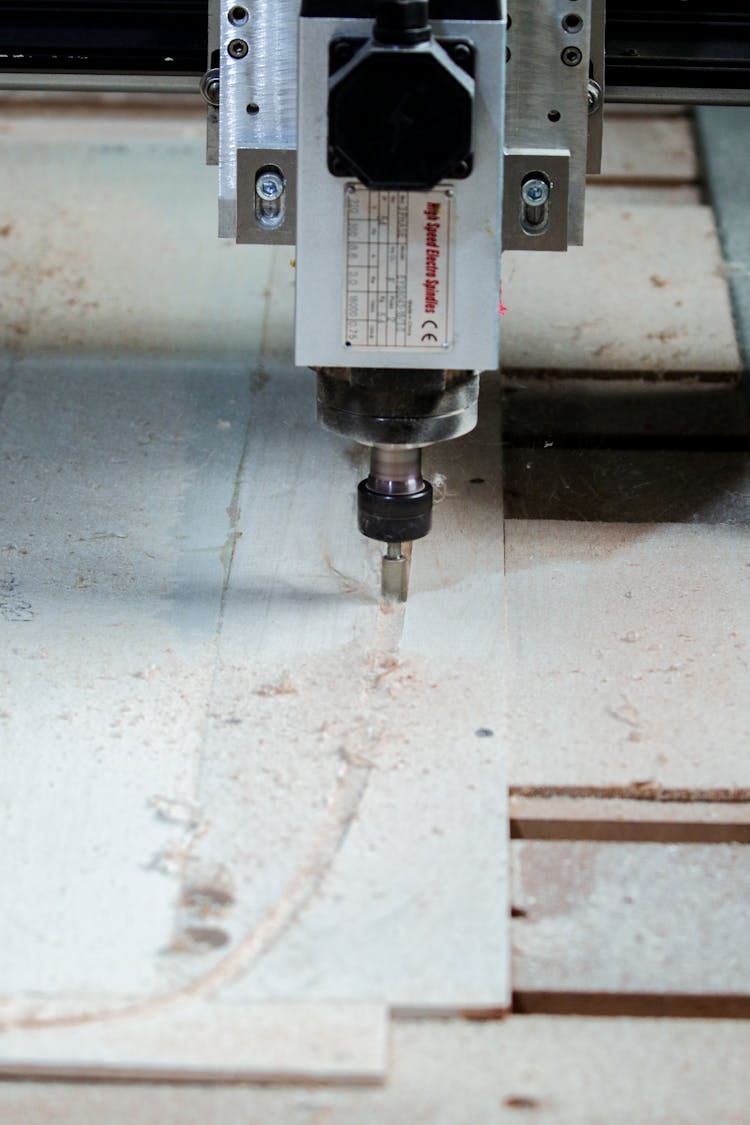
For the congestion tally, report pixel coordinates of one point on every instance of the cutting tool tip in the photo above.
(395, 574)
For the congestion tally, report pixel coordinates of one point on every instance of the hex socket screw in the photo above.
(269, 186)
(237, 49)
(571, 56)
(535, 193)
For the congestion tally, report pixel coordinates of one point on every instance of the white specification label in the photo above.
(398, 268)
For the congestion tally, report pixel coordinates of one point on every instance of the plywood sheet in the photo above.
(233, 742)
(229, 773)
(127, 261)
(561, 1070)
(210, 1042)
(648, 148)
(641, 920)
(370, 741)
(628, 657)
(635, 193)
(646, 295)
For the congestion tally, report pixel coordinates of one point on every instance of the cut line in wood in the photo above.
(633, 831)
(564, 818)
(645, 791)
(630, 1005)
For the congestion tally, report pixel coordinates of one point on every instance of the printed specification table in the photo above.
(397, 268)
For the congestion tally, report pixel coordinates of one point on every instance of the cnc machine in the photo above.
(400, 146)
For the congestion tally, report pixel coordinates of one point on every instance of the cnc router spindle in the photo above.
(398, 237)
(371, 133)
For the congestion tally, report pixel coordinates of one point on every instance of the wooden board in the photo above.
(210, 1042)
(628, 658)
(369, 740)
(648, 148)
(228, 772)
(235, 746)
(664, 926)
(646, 297)
(566, 1070)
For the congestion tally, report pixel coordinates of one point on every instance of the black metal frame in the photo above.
(104, 36)
(678, 44)
(651, 45)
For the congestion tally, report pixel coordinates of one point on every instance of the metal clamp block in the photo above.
(550, 166)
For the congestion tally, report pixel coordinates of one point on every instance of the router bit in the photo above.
(395, 507)
(396, 413)
(395, 574)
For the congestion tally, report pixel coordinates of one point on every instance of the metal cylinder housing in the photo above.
(376, 406)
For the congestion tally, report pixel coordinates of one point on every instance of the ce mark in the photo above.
(429, 337)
